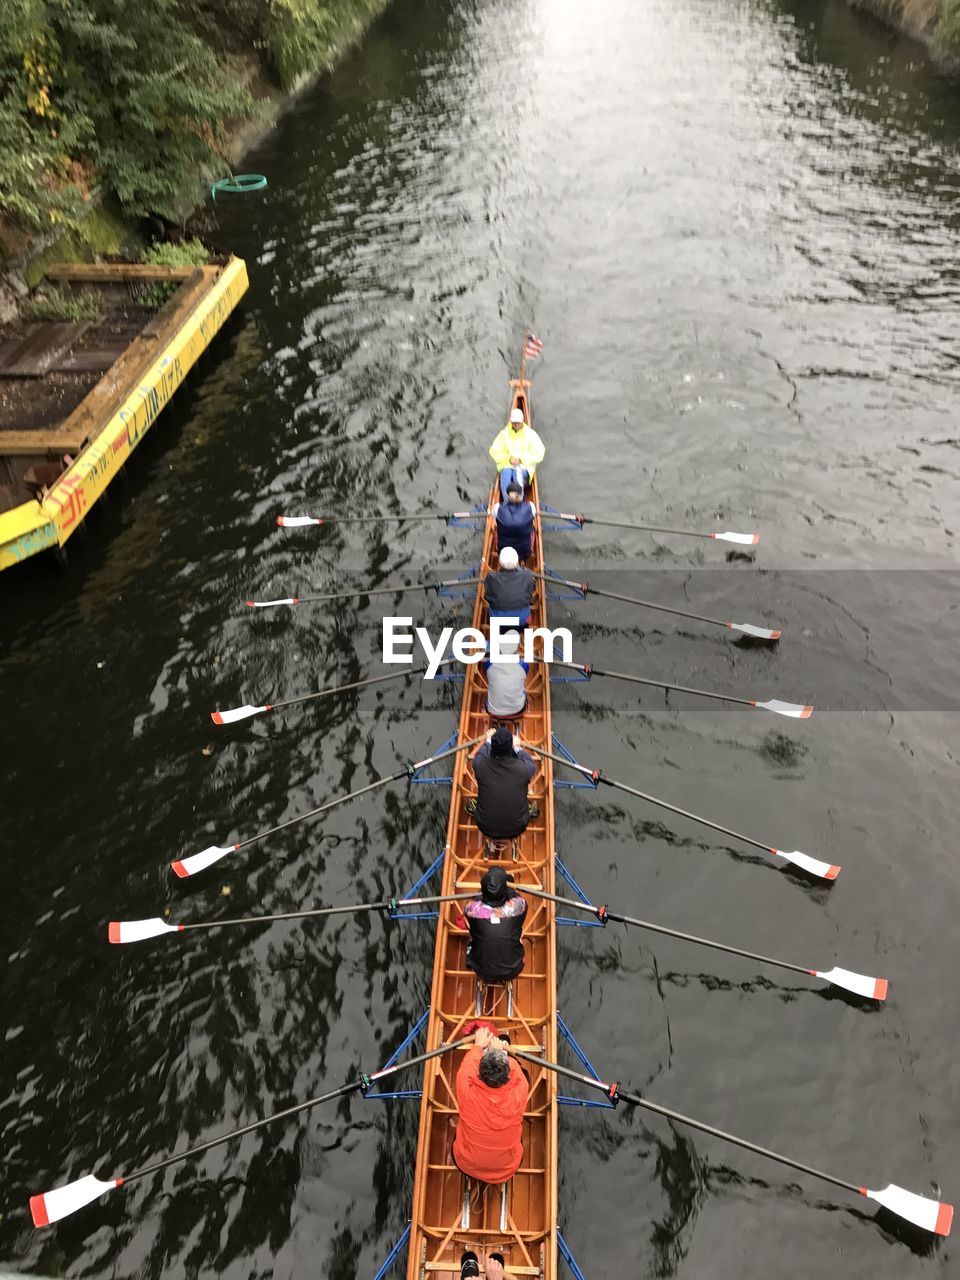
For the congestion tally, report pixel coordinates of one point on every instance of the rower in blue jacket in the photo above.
(515, 522)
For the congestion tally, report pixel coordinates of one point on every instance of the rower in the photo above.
(515, 519)
(503, 772)
(495, 921)
(516, 452)
(492, 1096)
(510, 592)
(506, 680)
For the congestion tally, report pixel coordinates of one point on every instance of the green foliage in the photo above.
(948, 30)
(53, 304)
(137, 95)
(299, 36)
(155, 97)
(189, 254)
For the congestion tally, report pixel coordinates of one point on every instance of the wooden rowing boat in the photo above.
(519, 1219)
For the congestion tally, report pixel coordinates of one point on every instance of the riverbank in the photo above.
(934, 22)
(81, 163)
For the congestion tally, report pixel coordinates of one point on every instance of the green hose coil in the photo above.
(239, 184)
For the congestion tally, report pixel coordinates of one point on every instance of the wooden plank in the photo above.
(96, 360)
(39, 348)
(114, 272)
(25, 444)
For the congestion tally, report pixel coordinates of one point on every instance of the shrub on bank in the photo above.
(191, 253)
(948, 30)
(137, 97)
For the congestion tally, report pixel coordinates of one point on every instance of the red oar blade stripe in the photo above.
(184, 867)
(931, 1215)
(859, 983)
(743, 539)
(139, 930)
(238, 713)
(825, 870)
(798, 710)
(51, 1206)
(759, 633)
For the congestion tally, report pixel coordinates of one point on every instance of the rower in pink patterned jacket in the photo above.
(495, 920)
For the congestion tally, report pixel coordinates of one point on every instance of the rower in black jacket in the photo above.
(503, 772)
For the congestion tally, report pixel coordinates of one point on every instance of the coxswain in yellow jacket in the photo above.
(516, 452)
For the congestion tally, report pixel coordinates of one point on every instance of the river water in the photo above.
(734, 226)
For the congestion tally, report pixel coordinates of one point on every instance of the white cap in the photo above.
(510, 642)
(509, 558)
(516, 415)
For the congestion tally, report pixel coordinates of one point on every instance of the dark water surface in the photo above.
(735, 226)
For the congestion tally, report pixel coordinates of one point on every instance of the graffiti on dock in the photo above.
(29, 544)
(84, 482)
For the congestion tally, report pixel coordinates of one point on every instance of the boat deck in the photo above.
(520, 1219)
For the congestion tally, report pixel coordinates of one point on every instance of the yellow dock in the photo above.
(52, 474)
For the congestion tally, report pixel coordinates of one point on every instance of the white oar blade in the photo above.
(238, 713)
(748, 629)
(825, 870)
(796, 709)
(858, 983)
(297, 522)
(931, 1215)
(51, 1206)
(269, 604)
(184, 867)
(139, 930)
(744, 539)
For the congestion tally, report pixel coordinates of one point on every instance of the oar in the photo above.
(207, 857)
(744, 539)
(51, 1206)
(798, 710)
(140, 930)
(245, 712)
(366, 591)
(858, 983)
(931, 1215)
(299, 522)
(825, 870)
(748, 629)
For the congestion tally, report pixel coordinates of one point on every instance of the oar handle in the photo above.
(412, 1062)
(323, 808)
(406, 772)
(596, 776)
(644, 528)
(615, 1093)
(367, 591)
(379, 519)
(590, 670)
(345, 688)
(585, 589)
(290, 915)
(388, 904)
(354, 1086)
(604, 914)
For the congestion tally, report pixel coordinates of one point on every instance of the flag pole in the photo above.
(523, 357)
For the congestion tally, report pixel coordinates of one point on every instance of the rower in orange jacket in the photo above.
(492, 1096)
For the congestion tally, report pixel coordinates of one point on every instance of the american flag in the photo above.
(533, 347)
